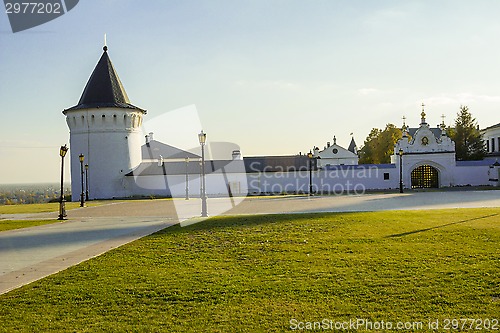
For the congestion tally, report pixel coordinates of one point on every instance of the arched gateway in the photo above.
(425, 176)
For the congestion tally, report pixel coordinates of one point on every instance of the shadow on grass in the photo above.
(219, 222)
(439, 226)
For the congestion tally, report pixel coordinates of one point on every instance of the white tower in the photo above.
(106, 129)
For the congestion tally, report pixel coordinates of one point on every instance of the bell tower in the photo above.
(106, 129)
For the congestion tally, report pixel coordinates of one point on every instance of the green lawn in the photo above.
(265, 273)
(36, 208)
(18, 224)
(44, 207)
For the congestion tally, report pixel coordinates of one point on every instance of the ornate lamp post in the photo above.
(187, 177)
(202, 137)
(310, 156)
(82, 195)
(62, 203)
(86, 182)
(401, 170)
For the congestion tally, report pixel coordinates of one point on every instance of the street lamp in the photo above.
(310, 156)
(401, 170)
(202, 137)
(86, 182)
(82, 195)
(187, 177)
(62, 203)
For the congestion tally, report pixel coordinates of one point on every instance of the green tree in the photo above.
(379, 145)
(469, 143)
(367, 152)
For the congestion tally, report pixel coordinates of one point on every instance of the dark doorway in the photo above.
(425, 176)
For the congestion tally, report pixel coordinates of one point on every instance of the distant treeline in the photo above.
(13, 194)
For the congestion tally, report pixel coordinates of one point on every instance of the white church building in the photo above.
(427, 156)
(336, 155)
(106, 132)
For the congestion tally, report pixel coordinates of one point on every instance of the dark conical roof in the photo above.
(352, 146)
(104, 88)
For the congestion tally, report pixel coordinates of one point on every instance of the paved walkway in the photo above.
(372, 202)
(29, 254)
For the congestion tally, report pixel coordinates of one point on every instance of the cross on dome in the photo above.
(443, 126)
(423, 115)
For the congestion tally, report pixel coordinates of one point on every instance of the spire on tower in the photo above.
(443, 125)
(353, 148)
(404, 128)
(104, 88)
(423, 115)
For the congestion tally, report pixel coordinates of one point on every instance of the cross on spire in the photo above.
(423, 114)
(105, 47)
(404, 128)
(443, 126)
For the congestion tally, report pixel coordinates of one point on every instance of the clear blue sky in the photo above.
(274, 76)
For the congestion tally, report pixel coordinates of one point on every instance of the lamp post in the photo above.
(187, 177)
(82, 195)
(62, 203)
(310, 156)
(401, 170)
(202, 137)
(86, 182)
